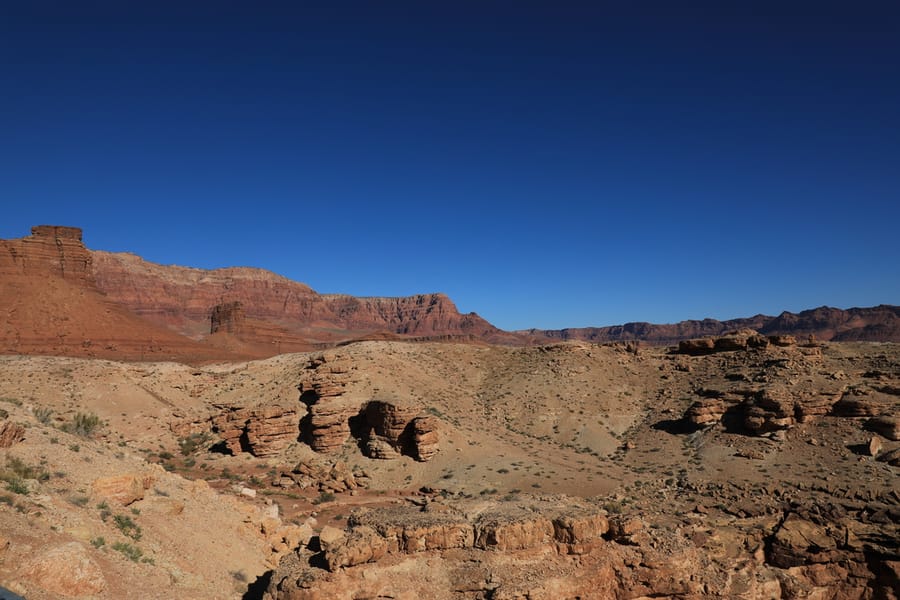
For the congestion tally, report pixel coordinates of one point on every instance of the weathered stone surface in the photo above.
(380, 448)
(122, 489)
(783, 340)
(697, 347)
(327, 476)
(10, 433)
(863, 403)
(228, 317)
(262, 431)
(363, 545)
(67, 570)
(798, 542)
(888, 426)
(425, 437)
(705, 412)
(50, 249)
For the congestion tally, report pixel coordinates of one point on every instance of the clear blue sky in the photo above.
(546, 164)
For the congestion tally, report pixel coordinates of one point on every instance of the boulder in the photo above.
(122, 489)
(66, 570)
(10, 433)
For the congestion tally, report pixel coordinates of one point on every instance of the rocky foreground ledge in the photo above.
(557, 548)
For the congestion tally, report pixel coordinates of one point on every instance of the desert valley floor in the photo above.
(740, 467)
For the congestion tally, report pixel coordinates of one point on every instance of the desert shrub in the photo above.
(83, 424)
(127, 526)
(78, 500)
(19, 468)
(98, 542)
(43, 414)
(193, 442)
(17, 486)
(324, 497)
(3, 413)
(132, 553)
(13, 401)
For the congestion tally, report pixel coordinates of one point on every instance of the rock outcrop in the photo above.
(49, 250)
(325, 476)
(228, 317)
(262, 431)
(122, 489)
(52, 306)
(888, 426)
(10, 433)
(385, 430)
(569, 529)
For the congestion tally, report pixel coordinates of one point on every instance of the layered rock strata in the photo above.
(262, 431)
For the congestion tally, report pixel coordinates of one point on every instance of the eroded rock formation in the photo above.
(385, 430)
(262, 431)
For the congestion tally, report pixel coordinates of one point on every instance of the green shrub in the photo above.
(17, 486)
(83, 424)
(193, 442)
(43, 414)
(127, 526)
(132, 553)
(324, 497)
(98, 542)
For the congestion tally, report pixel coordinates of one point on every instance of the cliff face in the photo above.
(49, 250)
(52, 306)
(875, 324)
(181, 298)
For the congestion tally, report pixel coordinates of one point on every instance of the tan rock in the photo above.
(425, 437)
(875, 445)
(330, 537)
(67, 570)
(262, 431)
(122, 489)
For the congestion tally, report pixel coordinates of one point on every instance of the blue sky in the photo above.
(546, 164)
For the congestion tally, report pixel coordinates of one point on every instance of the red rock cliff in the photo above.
(49, 249)
(181, 298)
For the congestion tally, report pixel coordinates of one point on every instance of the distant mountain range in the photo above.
(875, 324)
(58, 297)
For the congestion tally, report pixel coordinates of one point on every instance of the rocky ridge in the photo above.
(877, 323)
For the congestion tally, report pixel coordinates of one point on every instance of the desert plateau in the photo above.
(168, 432)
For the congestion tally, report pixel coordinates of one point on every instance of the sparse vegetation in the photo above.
(324, 497)
(132, 553)
(98, 542)
(127, 526)
(193, 442)
(43, 414)
(83, 424)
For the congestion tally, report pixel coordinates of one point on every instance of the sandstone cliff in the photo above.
(181, 298)
(52, 306)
